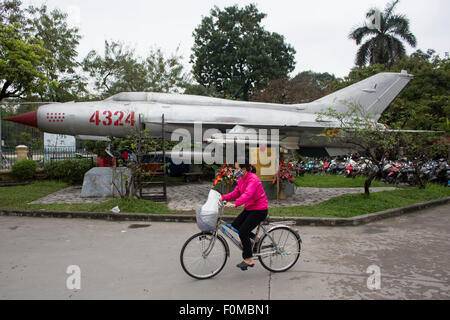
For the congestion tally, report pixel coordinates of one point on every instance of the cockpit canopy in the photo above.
(130, 96)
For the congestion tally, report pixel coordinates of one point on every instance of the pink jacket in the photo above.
(248, 192)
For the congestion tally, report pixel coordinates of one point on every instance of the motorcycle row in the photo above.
(395, 172)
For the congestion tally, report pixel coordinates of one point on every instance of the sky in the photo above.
(318, 30)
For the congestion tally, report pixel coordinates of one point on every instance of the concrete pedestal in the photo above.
(97, 182)
(271, 189)
(22, 153)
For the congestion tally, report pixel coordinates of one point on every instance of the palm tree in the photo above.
(384, 45)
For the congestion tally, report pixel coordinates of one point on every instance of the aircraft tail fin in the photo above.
(374, 94)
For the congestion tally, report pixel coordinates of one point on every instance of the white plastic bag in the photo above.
(208, 214)
(115, 209)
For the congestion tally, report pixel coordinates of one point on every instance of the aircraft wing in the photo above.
(413, 131)
(92, 138)
(301, 127)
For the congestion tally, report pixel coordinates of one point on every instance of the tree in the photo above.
(57, 64)
(233, 54)
(121, 70)
(199, 90)
(384, 45)
(305, 87)
(137, 143)
(277, 91)
(65, 82)
(424, 103)
(357, 130)
(22, 62)
(10, 12)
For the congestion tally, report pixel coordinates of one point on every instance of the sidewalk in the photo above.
(186, 197)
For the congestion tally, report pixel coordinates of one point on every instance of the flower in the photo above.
(284, 173)
(226, 175)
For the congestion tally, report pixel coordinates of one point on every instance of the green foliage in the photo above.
(138, 142)
(31, 140)
(351, 205)
(15, 134)
(425, 103)
(148, 143)
(24, 170)
(38, 54)
(233, 54)
(22, 62)
(384, 46)
(18, 197)
(126, 205)
(65, 82)
(199, 90)
(10, 12)
(121, 70)
(209, 170)
(333, 181)
(97, 147)
(70, 170)
(305, 87)
(357, 129)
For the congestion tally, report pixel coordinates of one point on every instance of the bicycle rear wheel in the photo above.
(201, 258)
(279, 249)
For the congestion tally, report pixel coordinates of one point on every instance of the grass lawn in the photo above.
(349, 205)
(334, 181)
(18, 198)
(125, 206)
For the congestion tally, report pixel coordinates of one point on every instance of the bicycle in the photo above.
(205, 253)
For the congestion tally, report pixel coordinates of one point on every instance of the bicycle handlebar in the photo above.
(222, 203)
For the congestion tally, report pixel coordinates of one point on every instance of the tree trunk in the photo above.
(245, 91)
(368, 182)
(3, 91)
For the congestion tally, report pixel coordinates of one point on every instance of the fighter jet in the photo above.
(122, 113)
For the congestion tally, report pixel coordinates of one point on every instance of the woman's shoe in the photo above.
(243, 265)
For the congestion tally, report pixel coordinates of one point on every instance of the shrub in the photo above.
(70, 170)
(24, 170)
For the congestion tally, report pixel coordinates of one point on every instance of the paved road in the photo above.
(412, 252)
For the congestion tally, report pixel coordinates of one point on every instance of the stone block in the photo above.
(98, 182)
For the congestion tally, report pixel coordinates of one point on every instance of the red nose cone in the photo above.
(29, 119)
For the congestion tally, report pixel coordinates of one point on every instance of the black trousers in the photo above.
(245, 223)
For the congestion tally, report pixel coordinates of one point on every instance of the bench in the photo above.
(192, 176)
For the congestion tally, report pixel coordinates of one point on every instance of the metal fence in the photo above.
(43, 156)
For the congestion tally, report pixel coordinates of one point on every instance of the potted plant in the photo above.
(283, 176)
(98, 147)
(226, 177)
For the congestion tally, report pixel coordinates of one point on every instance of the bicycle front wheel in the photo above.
(203, 255)
(279, 249)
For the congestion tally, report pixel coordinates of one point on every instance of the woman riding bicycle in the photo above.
(250, 193)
